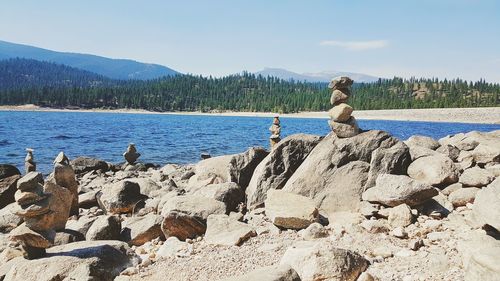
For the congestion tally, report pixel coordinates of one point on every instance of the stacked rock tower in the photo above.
(341, 122)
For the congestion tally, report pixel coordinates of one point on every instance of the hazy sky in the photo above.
(429, 38)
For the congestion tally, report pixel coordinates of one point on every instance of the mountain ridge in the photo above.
(121, 69)
(323, 76)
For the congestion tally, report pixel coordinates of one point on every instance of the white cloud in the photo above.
(357, 45)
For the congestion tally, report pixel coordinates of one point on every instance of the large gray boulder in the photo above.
(483, 146)
(476, 176)
(393, 160)
(104, 228)
(422, 141)
(147, 186)
(236, 168)
(86, 260)
(186, 216)
(316, 172)
(268, 273)
(121, 197)
(289, 210)
(435, 170)
(486, 205)
(223, 230)
(393, 190)
(344, 194)
(480, 258)
(275, 170)
(84, 164)
(7, 170)
(139, 230)
(8, 219)
(323, 261)
(229, 193)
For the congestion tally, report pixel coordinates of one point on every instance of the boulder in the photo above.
(8, 219)
(420, 151)
(147, 186)
(450, 188)
(88, 200)
(480, 258)
(344, 192)
(84, 164)
(486, 210)
(476, 176)
(291, 211)
(393, 190)
(322, 261)
(392, 160)
(7, 170)
(316, 172)
(81, 225)
(185, 216)
(340, 113)
(400, 216)
(434, 170)
(86, 260)
(268, 273)
(139, 230)
(8, 189)
(462, 196)
(223, 230)
(104, 228)
(121, 197)
(278, 166)
(437, 206)
(483, 146)
(67, 236)
(229, 193)
(236, 168)
(422, 141)
(314, 231)
(28, 237)
(345, 129)
(449, 151)
(173, 247)
(486, 153)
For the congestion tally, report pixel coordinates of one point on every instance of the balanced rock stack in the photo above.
(29, 161)
(64, 176)
(341, 122)
(33, 206)
(131, 155)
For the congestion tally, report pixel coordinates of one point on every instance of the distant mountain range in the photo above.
(123, 69)
(324, 76)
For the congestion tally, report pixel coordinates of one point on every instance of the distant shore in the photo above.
(485, 115)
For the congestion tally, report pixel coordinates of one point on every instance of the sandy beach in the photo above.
(485, 115)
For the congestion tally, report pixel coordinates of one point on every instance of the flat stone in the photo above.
(477, 177)
(31, 238)
(139, 230)
(222, 230)
(268, 273)
(36, 209)
(393, 190)
(462, 196)
(29, 181)
(291, 211)
(340, 82)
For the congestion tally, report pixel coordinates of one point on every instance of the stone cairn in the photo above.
(275, 132)
(131, 154)
(44, 207)
(36, 234)
(29, 161)
(341, 122)
(64, 176)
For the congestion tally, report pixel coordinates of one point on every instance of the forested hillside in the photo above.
(47, 84)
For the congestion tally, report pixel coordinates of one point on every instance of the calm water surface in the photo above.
(167, 138)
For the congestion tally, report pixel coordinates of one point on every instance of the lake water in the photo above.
(165, 139)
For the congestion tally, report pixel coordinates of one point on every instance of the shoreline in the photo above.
(480, 115)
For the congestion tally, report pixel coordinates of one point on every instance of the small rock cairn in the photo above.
(36, 234)
(275, 132)
(29, 161)
(131, 155)
(341, 122)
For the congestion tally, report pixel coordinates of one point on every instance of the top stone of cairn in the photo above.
(341, 82)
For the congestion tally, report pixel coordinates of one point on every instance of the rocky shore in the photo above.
(366, 207)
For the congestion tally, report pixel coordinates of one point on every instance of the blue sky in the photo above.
(438, 38)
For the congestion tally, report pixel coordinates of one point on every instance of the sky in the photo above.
(385, 38)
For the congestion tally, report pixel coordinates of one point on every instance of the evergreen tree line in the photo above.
(46, 84)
